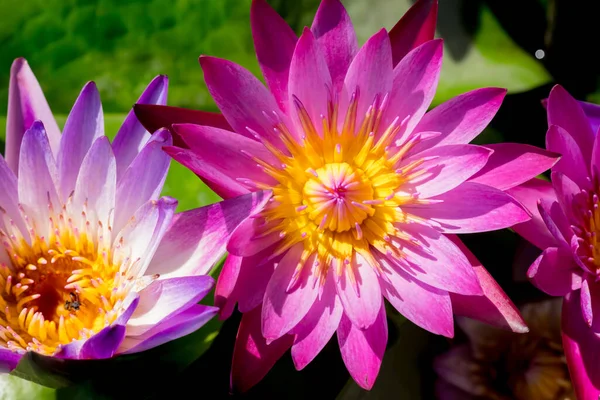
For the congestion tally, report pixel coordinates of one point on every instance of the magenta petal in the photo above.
(461, 118)
(512, 164)
(415, 81)
(472, 207)
(595, 166)
(274, 42)
(289, 295)
(416, 27)
(592, 112)
(528, 194)
(245, 102)
(37, 176)
(252, 356)
(318, 326)
(26, 103)
(554, 272)
(226, 284)
(567, 191)
(246, 239)
(196, 239)
(84, 125)
(254, 278)
(310, 81)
(144, 178)
(335, 35)
(447, 167)
(494, 307)
(556, 222)
(582, 349)
(571, 162)
(9, 360)
(132, 136)
(362, 350)
(174, 327)
(360, 292)
(565, 111)
(423, 305)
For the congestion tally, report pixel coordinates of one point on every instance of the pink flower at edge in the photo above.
(565, 225)
(369, 189)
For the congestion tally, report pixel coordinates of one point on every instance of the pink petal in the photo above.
(595, 166)
(196, 239)
(309, 81)
(571, 163)
(528, 194)
(370, 74)
(416, 27)
(318, 326)
(335, 35)
(586, 303)
(556, 222)
(472, 207)
(582, 349)
(254, 278)
(461, 118)
(132, 136)
(252, 356)
(415, 81)
(554, 272)
(9, 201)
(564, 111)
(447, 167)
(423, 305)
(566, 193)
(244, 100)
(359, 291)
(274, 41)
(438, 262)
(362, 350)
(226, 284)
(246, 240)
(285, 302)
(512, 164)
(494, 307)
(26, 103)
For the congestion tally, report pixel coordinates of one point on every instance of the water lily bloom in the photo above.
(565, 225)
(368, 189)
(94, 262)
(500, 365)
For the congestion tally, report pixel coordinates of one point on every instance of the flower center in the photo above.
(57, 290)
(334, 197)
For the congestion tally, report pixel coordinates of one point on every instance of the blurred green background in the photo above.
(522, 45)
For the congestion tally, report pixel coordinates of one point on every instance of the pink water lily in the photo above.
(565, 225)
(94, 262)
(369, 189)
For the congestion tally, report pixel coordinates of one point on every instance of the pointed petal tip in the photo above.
(17, 64)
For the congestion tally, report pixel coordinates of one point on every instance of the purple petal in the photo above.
(362, 350)
(415, 81)
(164, 298)
(566, 193)
(528, 194)
(245, 102)
(174, 327)
(144, 178)
(571, 162)
(461, 118)
(595, 165)
(310, 81)
(335, 35)
(456, 367)
(556, 222)
(318, 326)
(592, 112)
(84, 125)
(564, 111)
(132, 135)
(9, 198)
(359, 292)
(252, 356)
(416, 27)
(424, 305)
(494, 307)
(289, 295)
(26, 104)
(512, 164)
(9, 360)
(96, 183)
(554, 272)
(274, 41)
(446, 167)
(37, 177)
(472, 207)
(196, 239)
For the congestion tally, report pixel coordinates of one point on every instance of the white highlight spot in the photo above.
(539, 54)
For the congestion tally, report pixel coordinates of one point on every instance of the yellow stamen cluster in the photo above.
(62, 287)
(339, 191)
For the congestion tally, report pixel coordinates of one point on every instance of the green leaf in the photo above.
(12, 387)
